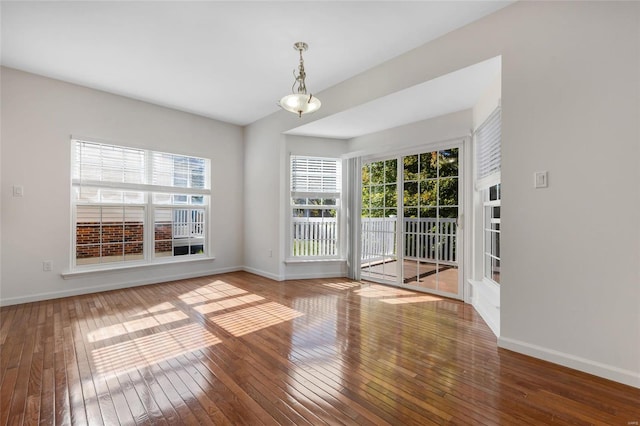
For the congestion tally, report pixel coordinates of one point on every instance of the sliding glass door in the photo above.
(410, 210)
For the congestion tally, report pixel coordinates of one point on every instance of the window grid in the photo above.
(491, 215)
(315, 204)
(117, 192)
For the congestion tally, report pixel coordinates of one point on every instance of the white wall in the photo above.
(485, 294)
(570, 101)
(439, 129)
(38, 117)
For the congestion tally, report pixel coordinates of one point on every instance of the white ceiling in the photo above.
(226, 60)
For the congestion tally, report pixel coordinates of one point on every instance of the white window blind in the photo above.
(95, 163)
(488, 146)
(314, 176)
(101, 165)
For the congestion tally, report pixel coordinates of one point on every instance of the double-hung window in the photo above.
(132, 205)
(488, 159)
(315, 205)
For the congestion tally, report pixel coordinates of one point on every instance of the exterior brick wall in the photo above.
(163, 235)
(113, 237)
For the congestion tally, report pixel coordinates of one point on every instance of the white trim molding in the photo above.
(486, 301)
(627, 377)
(113, 286)
(262, 273)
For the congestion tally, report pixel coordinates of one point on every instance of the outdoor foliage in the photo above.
(430, 186)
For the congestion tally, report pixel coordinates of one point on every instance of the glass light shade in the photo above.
(300, 103)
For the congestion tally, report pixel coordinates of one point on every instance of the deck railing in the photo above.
(188, 223)
(315, 236)
(430, 239)
(424, 238)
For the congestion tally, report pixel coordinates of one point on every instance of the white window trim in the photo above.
(149, 259)
(337, 195)
(485, 232)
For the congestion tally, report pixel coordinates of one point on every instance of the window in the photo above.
(315, 204)
(136, 206)
(488, 162)
(491, 215)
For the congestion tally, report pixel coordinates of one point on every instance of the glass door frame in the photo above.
(461, 145)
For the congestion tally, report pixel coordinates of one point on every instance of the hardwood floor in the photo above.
(241, 349)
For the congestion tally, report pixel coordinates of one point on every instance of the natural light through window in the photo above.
(152, 349)
(254, 318)
(213, 291)
(382, 291)
(135, 325)
(415, 299)
(221, 305)
(342, 285)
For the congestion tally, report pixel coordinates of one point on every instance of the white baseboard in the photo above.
(486, 315)
(486, 301)
(112, 286)
(262, 273)
(627, 377)
(313, 275)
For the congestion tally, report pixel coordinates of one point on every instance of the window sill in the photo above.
(77, 273)
(310, 260)
(488, 285)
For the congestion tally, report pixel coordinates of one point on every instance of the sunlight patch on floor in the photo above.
(148, 350)
(221, 305)
(254, 318)
(127, 327)
(342, 285)
(212, 291)
(166, 306)
(416, 299)
(382, 291)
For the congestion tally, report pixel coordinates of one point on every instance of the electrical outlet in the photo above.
(270, 253)
(47, 265)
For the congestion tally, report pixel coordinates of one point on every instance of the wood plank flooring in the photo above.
(241, 349)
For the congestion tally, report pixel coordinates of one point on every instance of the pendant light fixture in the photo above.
(299, 102)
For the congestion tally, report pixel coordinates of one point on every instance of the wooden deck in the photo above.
(241, 349)
(423, 275)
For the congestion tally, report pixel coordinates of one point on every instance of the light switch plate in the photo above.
(541, 179)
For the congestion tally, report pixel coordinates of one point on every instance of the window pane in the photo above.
(366, 173)
(390, 196)
(179, 231)
(163, 234)
(411, 167)
(448, 162)
(495, 270)
(428, 193)
(391, 171)
(429, 212)
(448, 191)
(410, 194)
(314, 232)
(411, 212)
(159, 198)
(428, 165)
(494, 192)
(377, 173)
